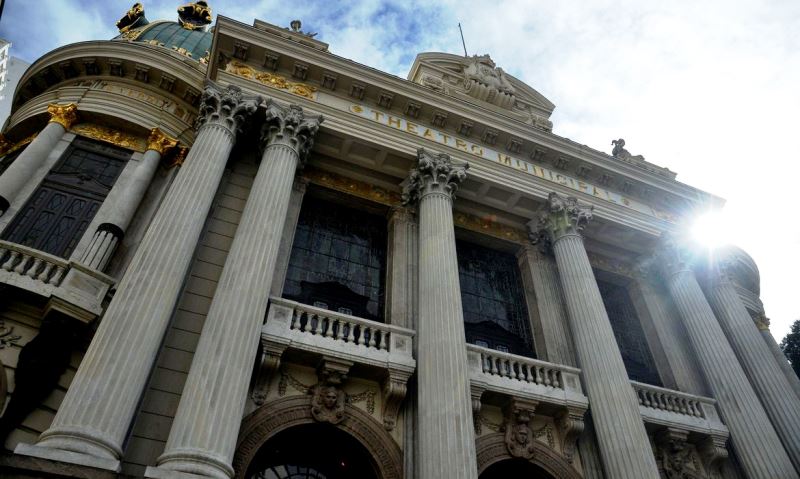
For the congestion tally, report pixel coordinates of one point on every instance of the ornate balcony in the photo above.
(665, 407)
(310, 335)
(70, 287)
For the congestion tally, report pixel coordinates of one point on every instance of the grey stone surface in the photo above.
(96, 413)
(780, 358)
(285, 249)
(444, 419)
(623, 441)
(401, 284)
(755, 441)
(203, 436)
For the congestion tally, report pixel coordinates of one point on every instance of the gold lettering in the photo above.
(392, 121)
(461, 144)
(428, 134)
(378, 115)
(596, 192)
(561, 180)
(538, 171)
(445, 138)
(477, 150)
(504, 159)
(411, 128)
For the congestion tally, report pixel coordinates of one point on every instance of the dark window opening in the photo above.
(628, 333)
(59, 211)
(338, 259)
(495, 314)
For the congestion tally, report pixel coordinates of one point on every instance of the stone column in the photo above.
(287, 239)
(540, 277)
(401, 270)
(121, 204)
(446, 434)
(95, 415)
(770, 384)
(755, 441)
(621, 436)
(762, 323)
(62, 117)
(203, 436)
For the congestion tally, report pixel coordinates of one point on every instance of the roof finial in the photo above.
(134, 18)
(195, 16)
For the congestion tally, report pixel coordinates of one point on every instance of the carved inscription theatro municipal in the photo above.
(481, 151)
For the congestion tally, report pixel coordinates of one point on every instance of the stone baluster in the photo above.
(762, 323)
(62, 117)
(754, 439)
(445, 426)
(540, 278)
(95, 415)
(119, 207)
(624, 445)
(777, 396)
(203, 436)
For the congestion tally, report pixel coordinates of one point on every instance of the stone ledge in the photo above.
(16, 466)
(69, 458)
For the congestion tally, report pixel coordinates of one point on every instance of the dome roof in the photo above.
(194, 44)
(744, 269)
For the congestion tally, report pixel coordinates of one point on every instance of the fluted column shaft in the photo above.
(402, 269)
(34, 155)
(756, 443)
(780, 358)
(203, 435)
(446, 433)
(540, 275)
(621, 436)
(121, 204)
(96, 412)
(779, 400)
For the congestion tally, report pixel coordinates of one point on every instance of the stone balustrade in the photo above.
(292, 325)
(72, 287)
(518, 376)
(665, 407)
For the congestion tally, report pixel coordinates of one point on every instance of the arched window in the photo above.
(59, 211)
(495, 315)
(515, 469)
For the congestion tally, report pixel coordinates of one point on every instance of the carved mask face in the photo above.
(330, 398)
(522, 434)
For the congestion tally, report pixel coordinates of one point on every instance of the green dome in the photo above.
(194, 44)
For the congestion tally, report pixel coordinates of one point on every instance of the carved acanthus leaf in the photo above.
(394, 391)
(564, 216)
(435, 172)
(570, 423)
(227, 107)
(290, 126)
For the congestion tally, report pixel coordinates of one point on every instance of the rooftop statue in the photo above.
(134, 18)
(484, 81)
(194, 16)
(295, 27)
(621, 153)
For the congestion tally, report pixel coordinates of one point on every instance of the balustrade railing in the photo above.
(28, 262)
(671, 401)
(520, 368)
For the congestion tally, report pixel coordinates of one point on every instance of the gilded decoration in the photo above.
(109, 135)
(762, 322)
(175, 157)
(64, 115)
(194, 16)
(160, 142)
(7, 148)
(351, 186)
(271, 80)
(488, 225)
(131, 35)
(133, 18)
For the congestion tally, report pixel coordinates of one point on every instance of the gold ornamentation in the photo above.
(7, 148)
(176, 157)
(154, 42)
(488, 225)
(131, 17)
(195, 15)
(108, 135)
(204, 59)
(271, 80)
(352, 187)
(131, 35)
(64, 115)
(182, 51)
(160, 142)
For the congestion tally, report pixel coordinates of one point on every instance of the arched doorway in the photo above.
(312, 451)
(514, 469)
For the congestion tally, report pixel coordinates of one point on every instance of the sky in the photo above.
(709, 89)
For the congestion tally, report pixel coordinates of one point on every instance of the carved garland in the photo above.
(279, 415)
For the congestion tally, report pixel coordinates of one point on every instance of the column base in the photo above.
(192, 463)
(159, 473)
(61, 455)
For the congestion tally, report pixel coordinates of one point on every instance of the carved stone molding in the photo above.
(282, 414)
(327, 397)
(270, 79)
(270, 362)
(564, 216)
(351, 186)
(491, 449)
(434, 173)
(713, 452)
(518, 432)
(476, 393)
(488, 226)
(570, 424)
(228, 108)
(288, 125)
(64, 115)
(160, 142)
(394, 391)
(672, 256)
(674, 453)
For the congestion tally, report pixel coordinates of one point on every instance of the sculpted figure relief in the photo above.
(327, 403)
(519, 435)
(484, 81)
(620, 152)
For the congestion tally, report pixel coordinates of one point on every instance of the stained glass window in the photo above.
(59, 211)
(338, 259)
(628, 333)
(492, 298)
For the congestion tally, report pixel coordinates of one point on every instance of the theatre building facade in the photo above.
(226, 252)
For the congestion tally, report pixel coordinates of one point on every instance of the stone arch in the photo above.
(492, 449)
(281, 414)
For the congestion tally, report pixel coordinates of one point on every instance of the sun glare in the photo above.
(712, 229)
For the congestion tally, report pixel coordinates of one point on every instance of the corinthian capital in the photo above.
(434, 173)
(564, 216)
(672, 256)
(160, 141)
(290, 126)
(228, 107)
(64, 115)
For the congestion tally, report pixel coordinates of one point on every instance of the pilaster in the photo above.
(623, 441)
(445, 430)
(401, 284)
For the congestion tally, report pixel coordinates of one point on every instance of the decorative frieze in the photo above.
(269, 79)
(111, 136)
